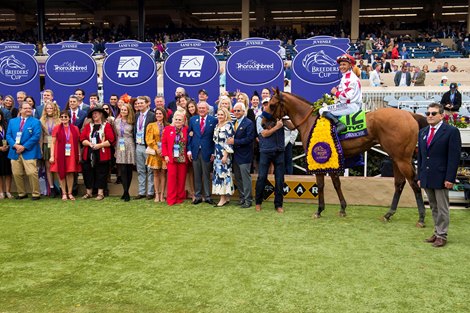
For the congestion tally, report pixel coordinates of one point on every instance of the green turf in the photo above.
(112, 256)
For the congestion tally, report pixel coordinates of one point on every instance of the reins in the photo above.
(281, 105)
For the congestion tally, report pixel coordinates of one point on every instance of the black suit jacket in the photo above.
(397, 78)
(438, 162)
(455, 104)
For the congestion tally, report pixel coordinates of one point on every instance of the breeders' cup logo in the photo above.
(318, 66)
(129, 67)
(17, 68)
(191, 65)
(253, 65)
(70, 67)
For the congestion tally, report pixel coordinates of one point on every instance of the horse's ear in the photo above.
(275, 91)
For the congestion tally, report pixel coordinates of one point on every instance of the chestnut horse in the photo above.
(395, 130)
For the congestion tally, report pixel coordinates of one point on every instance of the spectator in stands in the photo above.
(433, 59)
(418, 77)
(445, 67)
(452, 99)
(453, 68)
(369, 57)
(374, 76)
(403, 77)
(404, 54)
(395, 53)
(425, 68)
(444, 81)
(438, 69)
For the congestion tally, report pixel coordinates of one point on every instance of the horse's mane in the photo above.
(300, 98)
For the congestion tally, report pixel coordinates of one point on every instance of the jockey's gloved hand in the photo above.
(323, 109)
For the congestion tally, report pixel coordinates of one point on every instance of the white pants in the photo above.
(340, 109)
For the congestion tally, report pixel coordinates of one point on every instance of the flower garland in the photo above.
(324, 152)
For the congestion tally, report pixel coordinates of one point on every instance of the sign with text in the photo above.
(254, 64)
(191, 64)
(129, 68)
(70, 65)
(314, 68)
(19, 69)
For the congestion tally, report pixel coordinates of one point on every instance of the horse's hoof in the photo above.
(341, 214)
(385, 218)
(420, 224)
(316, 215)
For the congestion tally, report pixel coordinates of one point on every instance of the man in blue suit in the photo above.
(242, 142)
(77, 116)
(201, 151)
(438, 159)
(23, 135)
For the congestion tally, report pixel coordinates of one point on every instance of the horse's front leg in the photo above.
(339, 192)
(321, 195)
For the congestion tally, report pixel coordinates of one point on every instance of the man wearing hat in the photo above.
(348, 93)
(203, 96)
(452, 99)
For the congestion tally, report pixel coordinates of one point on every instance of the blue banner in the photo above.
(70, 66)
(19, 70)
(191, 64)
(314, 68)
(254, 64)
(129, 68)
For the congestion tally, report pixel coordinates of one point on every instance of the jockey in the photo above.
(348, 93)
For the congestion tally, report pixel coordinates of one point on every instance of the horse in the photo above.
(395, 130)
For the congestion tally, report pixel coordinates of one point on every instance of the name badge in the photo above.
(140, 138)
(4, 142)
(93, 141)
(49, 141)
(18, 137)
(176, 151)
(68, 149)
(121, 145)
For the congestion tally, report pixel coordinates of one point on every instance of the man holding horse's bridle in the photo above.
(348, 92)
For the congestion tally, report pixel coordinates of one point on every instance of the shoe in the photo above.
(340, 127)
(9, 195)
(71, 197)
(64, 197)
(258, 207)
(99, 197)
(196, 201)
(87, 196)
(431, 239)
(127, 198)
(2, 195)
(439, 243)
(221, 205)
(245, 205)
(139, 197)
(118, 180)
(18, 197)
(209, 201)
(241, 202)
(150, 197)
(280, 210)
(36, 198)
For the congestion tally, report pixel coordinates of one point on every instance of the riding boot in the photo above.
(340, 127)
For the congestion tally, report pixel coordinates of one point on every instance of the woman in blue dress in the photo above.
(222, 182)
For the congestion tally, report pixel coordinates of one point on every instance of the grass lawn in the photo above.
(111, 256)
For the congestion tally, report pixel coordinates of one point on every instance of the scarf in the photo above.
(61, 140)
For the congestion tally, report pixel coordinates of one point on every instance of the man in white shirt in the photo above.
(374, 76)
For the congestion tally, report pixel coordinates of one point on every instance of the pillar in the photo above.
(245, 19)
(355, 6)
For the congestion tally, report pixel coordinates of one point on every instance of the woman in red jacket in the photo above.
(174, 142)
(97, 138)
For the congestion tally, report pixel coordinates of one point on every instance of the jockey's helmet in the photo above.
(346, 58)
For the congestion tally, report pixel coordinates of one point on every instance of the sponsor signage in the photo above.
(19, 69)
(254, 64)
(291, 190)
(191, 64)
(314, 68)
(70, 65)
(129, 68)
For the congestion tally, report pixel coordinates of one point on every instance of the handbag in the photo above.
(150, 151)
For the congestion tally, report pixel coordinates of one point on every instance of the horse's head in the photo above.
(275, 108)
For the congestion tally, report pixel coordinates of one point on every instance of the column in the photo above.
(245, 19)
(141, 25)
(355, 6)
(41, 19)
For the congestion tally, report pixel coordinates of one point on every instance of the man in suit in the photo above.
(47, 96)
(452, 99)
(418, 77)
(80, 94)
(439, 147)
(144, 117)
(403, 77)
(23, 135)
(242, 142)
(77, 116)
(201, 151)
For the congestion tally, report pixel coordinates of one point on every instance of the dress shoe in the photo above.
(431, 239)
(127, 198)
(118, 180)
(197, 201)
(210, 201)
(241, 202)
(280, 210)
(36, 198)
(150, 197)
(245, 205)
(139, 197)
(439, 242)
(18, 197)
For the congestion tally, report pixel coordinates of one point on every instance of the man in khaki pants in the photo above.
(23, 136)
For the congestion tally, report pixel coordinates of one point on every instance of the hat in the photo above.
(444, 77)
(453, 86)
(97, 109)
(204, 91)
(266, 100)
(346, 58)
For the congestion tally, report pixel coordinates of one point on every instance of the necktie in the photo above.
(236, 125)
(431, 136)
(21, 124)
(202, 125)
(74, 117)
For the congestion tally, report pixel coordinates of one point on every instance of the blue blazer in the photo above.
(243, 142)
(440, 161)
(29, 138)
(82, 114)
(204, 141)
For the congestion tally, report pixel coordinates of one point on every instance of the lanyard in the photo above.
(50, 126)
(67, 133)
(141, 121)
(122, 126)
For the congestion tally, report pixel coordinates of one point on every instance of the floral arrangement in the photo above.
(457, 120)
(326, 99)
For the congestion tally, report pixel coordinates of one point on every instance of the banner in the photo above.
(70, 65)
(254, 64)
(129, 68)
(314, 68)
(191, 64)
(19, 70)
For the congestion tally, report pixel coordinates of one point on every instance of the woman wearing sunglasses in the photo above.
(65, 157)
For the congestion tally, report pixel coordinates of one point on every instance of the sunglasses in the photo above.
(431, 113)
(65, 116)
(237, 110)
(106, 109)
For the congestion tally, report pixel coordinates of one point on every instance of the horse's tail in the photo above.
(422, 121)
